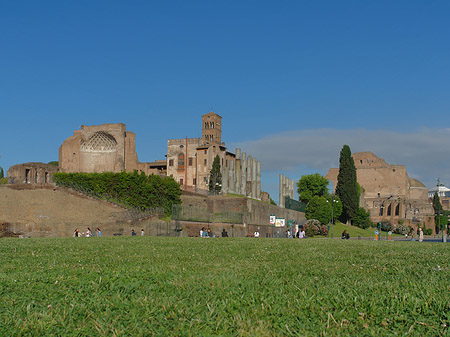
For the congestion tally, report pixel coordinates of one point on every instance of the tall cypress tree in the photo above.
(437, 203)
(2, 174)
(215, 177)
(346, 187)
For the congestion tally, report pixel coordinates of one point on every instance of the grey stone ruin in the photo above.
(286, 189)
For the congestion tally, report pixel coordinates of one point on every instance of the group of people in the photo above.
(206, 233)
(133, 233)
(88, 233)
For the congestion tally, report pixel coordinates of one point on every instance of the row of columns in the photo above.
(286, 189)
(242, 176)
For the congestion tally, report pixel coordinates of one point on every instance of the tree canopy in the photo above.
(215, 177)
(312, 185)
(346, 187)
(318, 208)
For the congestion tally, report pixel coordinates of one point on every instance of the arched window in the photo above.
(397, 209)
(212, 138)
(206, 125)
(389, 210)
(212, 125)
(181, 161)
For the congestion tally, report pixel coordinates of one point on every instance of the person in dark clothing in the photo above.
(345, 235)
(224, 233)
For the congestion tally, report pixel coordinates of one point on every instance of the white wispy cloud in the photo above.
(425, 152)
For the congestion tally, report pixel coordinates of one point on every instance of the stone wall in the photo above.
(31, 173)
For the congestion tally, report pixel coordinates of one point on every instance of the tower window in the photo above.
(190, 161)
(181, 161)
(170, 162)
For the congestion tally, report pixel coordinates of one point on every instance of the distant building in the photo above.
(388, 192)
(104, 148)
(31, 173)
(189, 161)
(444, 195)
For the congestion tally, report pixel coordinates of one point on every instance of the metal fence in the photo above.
(294, 204)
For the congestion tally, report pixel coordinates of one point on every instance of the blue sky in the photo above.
(308, 76)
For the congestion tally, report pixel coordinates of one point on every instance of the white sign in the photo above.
(272, 219)
(279, 222)
(376, 232)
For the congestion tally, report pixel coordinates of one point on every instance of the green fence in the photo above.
(294, 204)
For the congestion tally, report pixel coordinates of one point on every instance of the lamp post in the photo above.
(332, 213)
(216, 187)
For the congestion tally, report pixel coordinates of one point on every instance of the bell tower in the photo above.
(212, 128)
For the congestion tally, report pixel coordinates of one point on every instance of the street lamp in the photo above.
(217, 187)
(332, 212)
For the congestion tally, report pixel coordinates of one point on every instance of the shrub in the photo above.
(402, 229)
(428, 231)
(131, 189)
(324, 230)
(312, 227)
(362, 218)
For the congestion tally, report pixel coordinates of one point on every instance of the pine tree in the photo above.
(215, 178)
(346, 188)
(437, 203)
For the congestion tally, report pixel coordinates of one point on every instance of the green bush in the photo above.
(130, 189)
(401, 229)
(428, 231)
(362, 218)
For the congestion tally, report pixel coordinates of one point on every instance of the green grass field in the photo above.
(136, 286)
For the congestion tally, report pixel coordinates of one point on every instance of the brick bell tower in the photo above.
(212, 128)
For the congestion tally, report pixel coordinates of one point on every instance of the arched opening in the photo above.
(181, 161)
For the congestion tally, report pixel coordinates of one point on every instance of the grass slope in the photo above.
(251, 287)
(356, 231)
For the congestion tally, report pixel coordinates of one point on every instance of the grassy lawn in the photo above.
(356, 231)
(252, 287)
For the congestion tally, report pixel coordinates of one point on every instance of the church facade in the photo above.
(189, 161)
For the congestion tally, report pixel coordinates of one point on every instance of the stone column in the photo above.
(281, 202)
(237, 170)
(258, 180)
(224, 179)
(231, 177)
(244, 174)
(248, 185)
(254, 178)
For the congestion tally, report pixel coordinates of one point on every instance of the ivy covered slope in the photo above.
(133, 189)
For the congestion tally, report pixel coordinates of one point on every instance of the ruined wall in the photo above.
(31, 173)
(389, 194)
(99, 148)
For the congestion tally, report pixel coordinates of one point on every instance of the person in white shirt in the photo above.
(301, 235)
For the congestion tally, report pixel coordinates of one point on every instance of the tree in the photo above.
(439, 220)
(337, 207)
(312, 185)
(437, 206)
(2, 173)
(215, 177)
(346, 187)
(362, 218)
(272, 202)
(318, 208)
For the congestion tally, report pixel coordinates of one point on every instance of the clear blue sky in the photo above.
(280, 70)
